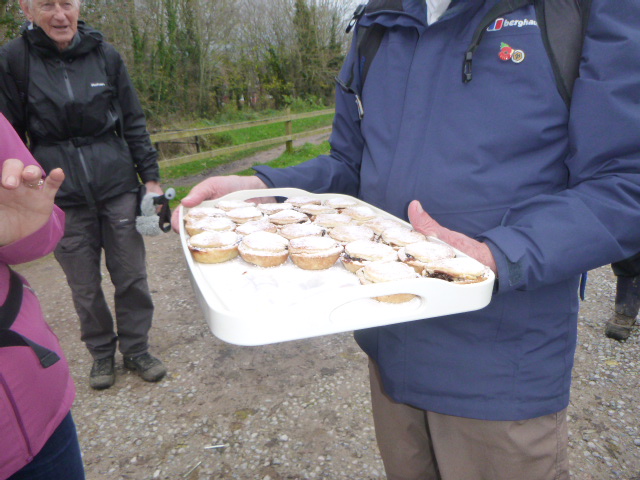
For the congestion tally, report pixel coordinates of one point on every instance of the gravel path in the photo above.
(295, 410)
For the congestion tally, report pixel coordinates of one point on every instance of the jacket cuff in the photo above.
(150, 177)
(510, 274)
(260, 174)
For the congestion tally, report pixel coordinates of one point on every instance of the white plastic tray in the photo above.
(248, 305)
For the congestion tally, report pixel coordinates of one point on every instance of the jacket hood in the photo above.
(86, 40)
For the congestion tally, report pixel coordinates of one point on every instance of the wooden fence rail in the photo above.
(196, 133)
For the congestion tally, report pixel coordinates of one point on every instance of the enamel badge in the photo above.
(508, 53)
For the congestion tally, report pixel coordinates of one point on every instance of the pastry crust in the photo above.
(271, 208)
(332, 220)
(256, 226)
(288, 217)
(264, 249)
(209, 224)
(420, 254)
(213, 247)
(361, 252)
(296, 230)
(313, 209)
(400, 236)
(461, 270)
(302, 200)
(380, 224)
(314, 253)
(244, 214)
(228, 205)
(350, 233)
(360, 213)
(200, 211)
(377, 272)
(340, 203)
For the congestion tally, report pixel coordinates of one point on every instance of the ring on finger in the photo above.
(37, 184)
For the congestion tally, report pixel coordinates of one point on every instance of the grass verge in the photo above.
(299, 155)
(239, 137)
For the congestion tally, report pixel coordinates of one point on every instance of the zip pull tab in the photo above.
(347, 89)
(356, 16)
(466, 68)
(360, 107)
(500, 9)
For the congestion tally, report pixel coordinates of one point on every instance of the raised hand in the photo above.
(26, 199)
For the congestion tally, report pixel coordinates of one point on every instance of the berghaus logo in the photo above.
(501, 23)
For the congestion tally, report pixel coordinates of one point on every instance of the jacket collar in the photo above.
(409, 12)
(85, 40)
(401, 11)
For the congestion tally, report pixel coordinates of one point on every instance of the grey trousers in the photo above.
(421, 445)
(87, 233)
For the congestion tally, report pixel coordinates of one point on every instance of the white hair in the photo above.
(29, 3)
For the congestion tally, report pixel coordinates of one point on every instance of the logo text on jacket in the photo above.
(501, 23)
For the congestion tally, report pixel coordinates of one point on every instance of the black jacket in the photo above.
(78, 117)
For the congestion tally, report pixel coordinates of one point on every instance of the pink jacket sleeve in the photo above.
(39, 243)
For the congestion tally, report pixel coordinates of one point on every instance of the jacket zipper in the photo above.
(347, 89)
(83, 163)
(498, 10)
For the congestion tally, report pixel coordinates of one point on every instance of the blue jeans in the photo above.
(59, 459)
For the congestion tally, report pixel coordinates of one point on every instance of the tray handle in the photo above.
(434, 298)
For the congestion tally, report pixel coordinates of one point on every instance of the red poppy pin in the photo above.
(508, 53)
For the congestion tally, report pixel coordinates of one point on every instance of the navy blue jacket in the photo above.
(553, 192)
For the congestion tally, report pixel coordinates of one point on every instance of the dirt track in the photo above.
(295, 410)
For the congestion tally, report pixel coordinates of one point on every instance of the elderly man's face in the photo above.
(58, 18)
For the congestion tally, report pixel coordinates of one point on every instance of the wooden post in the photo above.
(197, 144)
(288, 125)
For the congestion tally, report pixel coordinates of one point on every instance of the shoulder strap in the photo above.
(369, 38)
(18, 59)
(8, 313)
(563, 24)
(11, 307)
(368, 45)
(111, 68)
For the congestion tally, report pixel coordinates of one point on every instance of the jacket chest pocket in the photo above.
(90, 110)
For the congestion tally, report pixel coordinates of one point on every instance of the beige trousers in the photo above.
(420, 445)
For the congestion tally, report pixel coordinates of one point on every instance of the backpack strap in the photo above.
(17, 55)
(110, 59)
(8, 313)
(11, 307)
(563, 24)
(368, 45)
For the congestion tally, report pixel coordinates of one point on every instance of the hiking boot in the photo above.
(103, 373)
(628, 296)
(627, 305)
(147, 366)
(619, 327)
